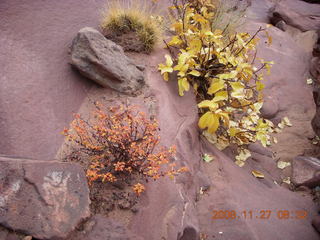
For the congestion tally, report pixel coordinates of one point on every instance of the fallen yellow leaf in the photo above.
(257, 174)
(283, 165)
(286, 180)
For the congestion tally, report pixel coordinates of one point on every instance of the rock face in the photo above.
(315, 123)
(270, 107)
(304, 169)
(301, 15)
(237, 190)
(315, 69)
(102, 228)
(104, 62)
(34, 56)
(44, 199)
(316, 223)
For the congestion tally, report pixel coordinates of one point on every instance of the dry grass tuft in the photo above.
(136, 19)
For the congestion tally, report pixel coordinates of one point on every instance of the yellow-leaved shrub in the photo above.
(220, 68)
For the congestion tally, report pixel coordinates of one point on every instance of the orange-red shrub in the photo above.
(120, 143)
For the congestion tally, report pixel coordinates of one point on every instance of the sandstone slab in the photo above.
(304, 169)
(36, 79)
(235, 189)
(43, 199)
(301, 15)
(102, 228)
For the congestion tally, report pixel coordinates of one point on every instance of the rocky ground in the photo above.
(49, 199)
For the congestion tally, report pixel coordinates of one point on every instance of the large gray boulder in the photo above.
(104, 62)
(44, 199)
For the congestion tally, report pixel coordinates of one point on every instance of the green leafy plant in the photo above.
(220, 68)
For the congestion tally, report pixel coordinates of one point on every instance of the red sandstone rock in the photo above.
(296, 13)
(101, 228)
(39, 90)
(44, 199)
(270, 107)
(304, 169)
(316, 223)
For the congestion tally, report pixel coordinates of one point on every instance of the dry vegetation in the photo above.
(135, 25)
(121, 144)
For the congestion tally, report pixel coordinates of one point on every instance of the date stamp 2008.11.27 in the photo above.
(264, 214)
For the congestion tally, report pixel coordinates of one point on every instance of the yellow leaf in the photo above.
(215, 86)
(182, 69)
(257, 174)
(209, 120)
(287, 122)
(233, 131)
(229, 75)
(281, 125)
(183, 57)
(237, 86)
(240, 163)
(220, 96)
(275, 140)
(257, 106)
(195, 73)
(195, 46)
(269, 38)
(262, 137)
(183, 85)
(238, 90)
(177, 27)
(309, 81)
(277, 130)
(182, 65)
(169, 61)
(166, 68)
(243, 155)
(208, 34)
(218, 33)
(260, 86)
(175, 41)
(225, 117)
(208, 104)
(207, 158)
(286, 180)
(166, 76)
(282, 165)
(199, 18)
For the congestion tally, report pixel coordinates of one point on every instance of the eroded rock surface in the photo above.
(39, 91)
(104, 62)
(44, 199)
(234, 189)
(299, 14)
(304, 169)
(102, 228)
